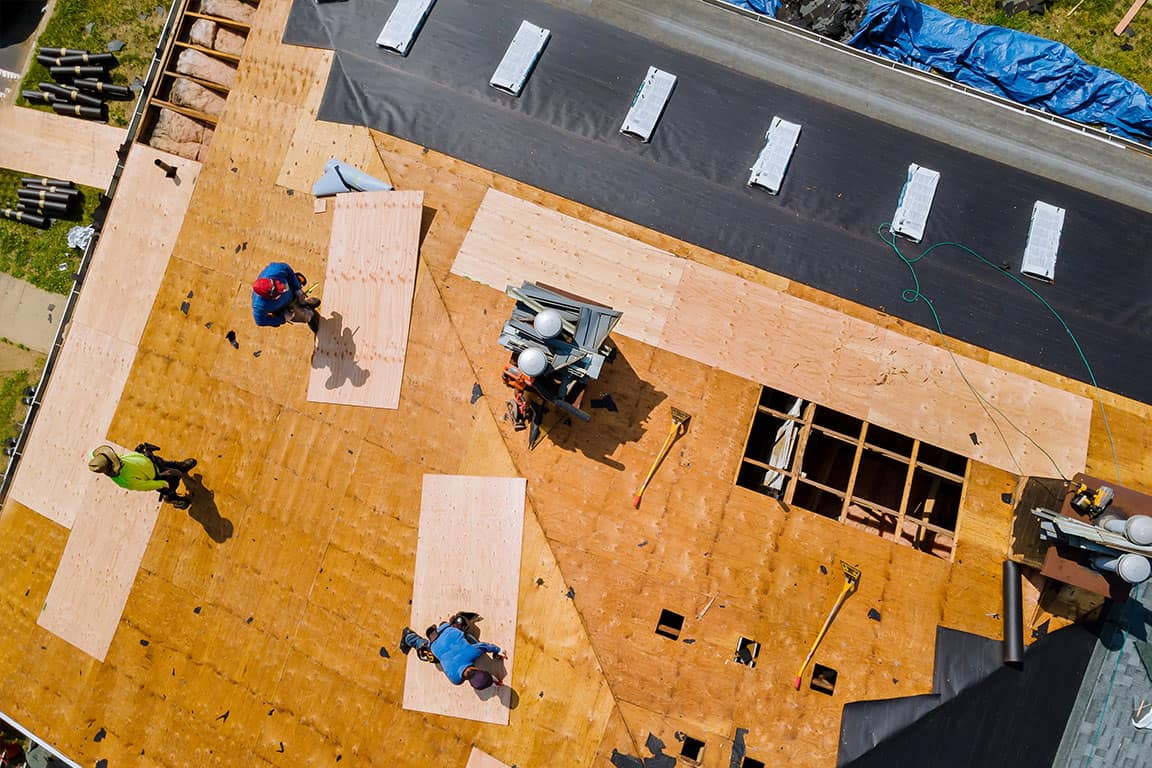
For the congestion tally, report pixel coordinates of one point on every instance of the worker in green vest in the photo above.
(143, 470)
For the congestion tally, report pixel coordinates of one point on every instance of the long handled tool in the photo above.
(679, 427)
(851, 582)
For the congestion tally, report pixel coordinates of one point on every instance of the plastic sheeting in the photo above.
(767, 7)
(1017, 66)
(1021, 67)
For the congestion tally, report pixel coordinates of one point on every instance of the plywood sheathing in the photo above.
(305, 675)
(98, 567)
(280, 625)
(124, 276)
(481, 759)
(467, 554)
(771, 338)
(46, 144)
(77, 408)
(363, 333)
(314, 142)
(697, 537)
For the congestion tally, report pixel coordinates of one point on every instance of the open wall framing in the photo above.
(858, 473)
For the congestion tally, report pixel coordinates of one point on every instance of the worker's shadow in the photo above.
(336, 351)
(205, 511)
(619, 401)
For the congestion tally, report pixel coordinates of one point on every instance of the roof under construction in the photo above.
(369, 478)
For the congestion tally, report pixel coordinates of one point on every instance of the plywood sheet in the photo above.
(773, 338)
(99, 566)
(132, 254)
(509, 237)
(115, 301)
(363, 336)
(77, 407)
(481, 759)
(467, 559)
(47, 144)
(877, 374)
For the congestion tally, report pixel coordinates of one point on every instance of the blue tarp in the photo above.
(767, 7)
(1020, 67)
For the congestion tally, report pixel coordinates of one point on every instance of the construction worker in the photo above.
(451, 647)
(278, 297)
(143, 470)
(520, 409)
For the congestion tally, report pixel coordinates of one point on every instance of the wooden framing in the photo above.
(156, 97)
(904, 519)
(240, 25)
(229, 57)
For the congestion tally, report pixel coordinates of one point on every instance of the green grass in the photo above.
(34, 254)
(1088, 31)
(111, 20)
(12, 410)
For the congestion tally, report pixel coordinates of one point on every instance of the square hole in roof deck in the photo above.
(746, 652)
(823, 679)
(670, 624)
(693, 750)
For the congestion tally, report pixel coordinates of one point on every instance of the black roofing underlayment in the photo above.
(961, 660)
(1012, 717)
(563, 135)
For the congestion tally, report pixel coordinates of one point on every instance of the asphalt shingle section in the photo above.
(1099, 733)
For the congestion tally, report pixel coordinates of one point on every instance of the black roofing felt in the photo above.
(844, 180)
(1012, 717)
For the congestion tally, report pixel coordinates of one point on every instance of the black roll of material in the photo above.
(105, 60)
(42, 209)
(41, 195)
(44, 181)
(57, 52)
(71, 192)
(76, 71)
(66, 93)
(107, 90)
(47, 61)
(1013, 647)
(79, 110)
(38, 97)
(23, 217)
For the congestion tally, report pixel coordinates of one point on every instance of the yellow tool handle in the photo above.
(656, 464)
(823, 631)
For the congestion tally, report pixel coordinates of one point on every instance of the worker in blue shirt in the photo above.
(454, 650)
(278, 297)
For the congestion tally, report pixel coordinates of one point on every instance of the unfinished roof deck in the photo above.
(272, 640)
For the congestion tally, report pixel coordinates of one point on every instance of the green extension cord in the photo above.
(913, 295)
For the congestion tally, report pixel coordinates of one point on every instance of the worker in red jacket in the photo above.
(278, 297)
